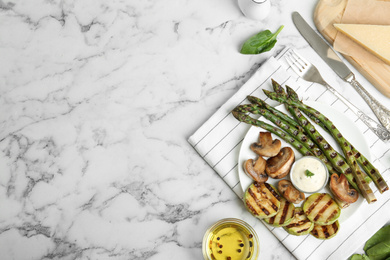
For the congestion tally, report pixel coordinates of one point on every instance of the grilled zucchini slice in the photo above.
(300, 224)
(321, 209)
(325, 232)
(262, 200)
(284, 215)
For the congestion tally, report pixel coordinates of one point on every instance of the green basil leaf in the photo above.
(262, 42)
(309, 173)
(268, 47)
(380, 251)
(381, 235)
(359, 257)
(365, 257)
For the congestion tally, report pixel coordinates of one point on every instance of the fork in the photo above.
(310, 73)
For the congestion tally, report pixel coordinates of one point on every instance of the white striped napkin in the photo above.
(219, 140)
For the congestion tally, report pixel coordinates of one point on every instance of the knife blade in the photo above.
(321, 47)
(327, 53)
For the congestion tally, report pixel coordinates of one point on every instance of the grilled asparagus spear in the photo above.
(275, 112)
(367, 166)
(299, 136)
(334, 157)
(285, 136)
(362, 184)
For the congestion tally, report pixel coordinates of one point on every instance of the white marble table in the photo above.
(97, 100)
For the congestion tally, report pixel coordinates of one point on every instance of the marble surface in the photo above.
(97, 100)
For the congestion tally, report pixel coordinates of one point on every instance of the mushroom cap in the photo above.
(266, 146)
(289, 192)
(279, 166)
(340, 188)
(256, 169)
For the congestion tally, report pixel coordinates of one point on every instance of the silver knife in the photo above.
(332, 59)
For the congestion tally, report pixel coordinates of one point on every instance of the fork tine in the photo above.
(292, 63)
(289, 60)
(300, 59)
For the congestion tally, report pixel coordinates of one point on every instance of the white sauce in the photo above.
(308, 183)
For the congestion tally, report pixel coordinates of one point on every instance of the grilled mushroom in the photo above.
(289, 192)
(256, 169)
(266, 146)
(340, 188)
(279, 166)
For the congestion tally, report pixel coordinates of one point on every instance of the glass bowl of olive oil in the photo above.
(230, 239)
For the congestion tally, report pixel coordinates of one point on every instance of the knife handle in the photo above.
(379, 110)
(377, 128)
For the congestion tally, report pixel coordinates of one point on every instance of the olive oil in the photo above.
(231, 241)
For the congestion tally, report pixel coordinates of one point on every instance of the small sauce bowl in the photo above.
(305, 182)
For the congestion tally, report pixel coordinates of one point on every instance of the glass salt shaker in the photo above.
(255, 9)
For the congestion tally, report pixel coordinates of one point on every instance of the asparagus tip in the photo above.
(236, 114)
(267, 92)
(252, 99)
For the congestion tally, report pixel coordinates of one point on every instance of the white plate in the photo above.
(341, 121)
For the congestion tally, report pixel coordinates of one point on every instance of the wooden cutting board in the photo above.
(328, 12)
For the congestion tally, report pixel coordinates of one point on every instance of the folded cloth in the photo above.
(219, 140)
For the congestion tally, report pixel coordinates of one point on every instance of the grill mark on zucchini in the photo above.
(335, 227)
(322, 210)
(249, 205)
(262, 208)
(312, 206)
(303, 230)
(315, 232)
(284, 216)
(273, 192)
(332, 215)
(300, 224)
(259, 190)
(325, 232)
(285, 209)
